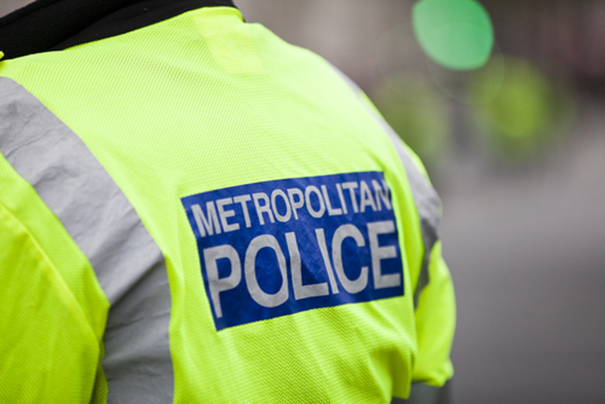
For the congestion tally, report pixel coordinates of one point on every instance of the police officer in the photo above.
(192, 210)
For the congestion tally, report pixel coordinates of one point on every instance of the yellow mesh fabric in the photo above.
(435, 324)
(52, 310)
(204, 101)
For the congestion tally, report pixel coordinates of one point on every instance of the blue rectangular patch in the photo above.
(280, 247)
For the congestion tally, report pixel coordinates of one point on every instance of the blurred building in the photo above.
(563, 35)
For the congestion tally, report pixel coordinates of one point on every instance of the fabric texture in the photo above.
(57, 24)
(52, 309)
(128, 264)
(202, 102)
(436, 316)
(428, 204)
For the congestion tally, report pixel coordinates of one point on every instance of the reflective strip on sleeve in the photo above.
(427, 201)
(424, 394)
(129, 265)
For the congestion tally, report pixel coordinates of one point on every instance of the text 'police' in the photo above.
(281, 247)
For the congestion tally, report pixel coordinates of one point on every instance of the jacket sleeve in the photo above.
(434, 300)
(435, 324)
(52, 310)
(435, 307)
(48, 353)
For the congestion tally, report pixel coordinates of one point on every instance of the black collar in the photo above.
(58, 24)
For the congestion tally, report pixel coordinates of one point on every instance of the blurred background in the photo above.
(516, 149)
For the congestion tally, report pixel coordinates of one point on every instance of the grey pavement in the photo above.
(527, 255)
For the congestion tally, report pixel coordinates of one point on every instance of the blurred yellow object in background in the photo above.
(527, 113)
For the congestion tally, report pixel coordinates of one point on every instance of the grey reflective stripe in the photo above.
(128, 263)
(428, 205)
(427, 201)
(425, 394)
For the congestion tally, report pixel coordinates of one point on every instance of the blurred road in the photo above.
(528, 262)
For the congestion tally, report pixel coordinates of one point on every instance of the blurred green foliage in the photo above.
(457, 34)
(448, 55)
(529, 112)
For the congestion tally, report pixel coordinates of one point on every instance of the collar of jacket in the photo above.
(46, 25)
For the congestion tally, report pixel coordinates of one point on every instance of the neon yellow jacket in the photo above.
(192, 210)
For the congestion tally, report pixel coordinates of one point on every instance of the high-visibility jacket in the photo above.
(192, 210)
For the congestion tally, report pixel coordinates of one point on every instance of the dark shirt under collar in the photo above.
(59, 24)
